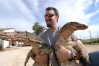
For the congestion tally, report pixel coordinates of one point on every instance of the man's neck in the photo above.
(53, 28)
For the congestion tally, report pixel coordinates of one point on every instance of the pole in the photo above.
(90, 36)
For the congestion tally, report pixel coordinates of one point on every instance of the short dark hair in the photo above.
(55, 10)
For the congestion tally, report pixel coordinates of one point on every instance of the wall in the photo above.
(8, 43)
(10, 30)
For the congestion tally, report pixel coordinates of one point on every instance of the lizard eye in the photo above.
(68, 24)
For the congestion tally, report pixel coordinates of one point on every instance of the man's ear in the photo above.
(57, 17)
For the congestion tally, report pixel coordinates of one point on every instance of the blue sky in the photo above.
(21, 14)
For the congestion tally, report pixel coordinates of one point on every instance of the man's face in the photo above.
(50, 18)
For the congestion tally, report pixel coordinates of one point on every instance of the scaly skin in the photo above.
(39, 47)
(65, 40)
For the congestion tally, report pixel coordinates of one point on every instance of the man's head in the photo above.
(51, 16)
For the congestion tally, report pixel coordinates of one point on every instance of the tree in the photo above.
(38, 28)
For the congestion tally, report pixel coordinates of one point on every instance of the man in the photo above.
(50, 36)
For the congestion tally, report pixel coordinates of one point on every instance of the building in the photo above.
(9, 43)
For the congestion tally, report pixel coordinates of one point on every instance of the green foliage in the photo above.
(1, 43)
(91, 41)
(38, 28)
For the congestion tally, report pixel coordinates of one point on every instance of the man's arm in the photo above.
(75, 39)
(79, 42)
(64, 54)
(78, 54)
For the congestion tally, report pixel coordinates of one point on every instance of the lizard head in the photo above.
(74, 26)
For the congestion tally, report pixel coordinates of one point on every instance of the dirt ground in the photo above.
(16, 56)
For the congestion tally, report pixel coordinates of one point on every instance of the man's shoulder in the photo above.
(43, 33)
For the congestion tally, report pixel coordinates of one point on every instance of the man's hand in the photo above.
(41, 59)
(63, 54)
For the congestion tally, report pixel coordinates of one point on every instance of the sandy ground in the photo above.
(92, 48)
(16, 56)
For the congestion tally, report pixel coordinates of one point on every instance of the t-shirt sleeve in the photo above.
(74, 37)
(41, 34)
